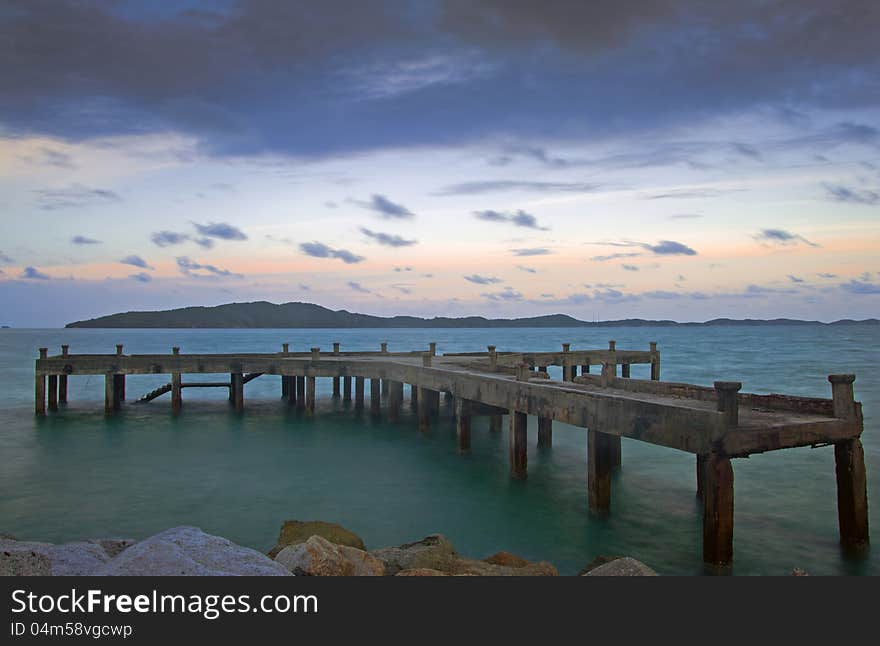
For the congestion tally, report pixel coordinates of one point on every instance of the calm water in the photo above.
(77, 474)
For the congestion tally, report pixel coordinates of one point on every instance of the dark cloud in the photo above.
(826, 275)
(192, 268)
(34, 274)
(358, 287)
(482, 280)
(168, 238)
(840, 193)
(506, 294)
(320, 250)
(861, 287)
(781, 237)
(795, 279)
(530, 270)
(74, 197)
(531, 251)
(83, 240)
(520, 218)
(501, 186)
(205, 243)
(220, 230)
(386, 208)
(142, 277)
(670, 248)
(135, 261)
(387, 239)
(615, 256)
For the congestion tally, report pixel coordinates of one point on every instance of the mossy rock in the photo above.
(294, 532)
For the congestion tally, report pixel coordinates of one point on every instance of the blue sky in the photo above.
(508, 158)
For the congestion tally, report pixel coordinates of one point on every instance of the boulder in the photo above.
(113, 546)
(422, 571)
(432, 552)
(602, 559)
(68, 559)
(625, 566)
(319, 557)
(294, 532)
(506, 558)
(190, 551)
(483, 568)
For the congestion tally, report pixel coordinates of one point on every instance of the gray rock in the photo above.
(625, 566)
(190, 551)
(69, 559)
(20, 561)
(319, 557)
(484, 568)
(432, 552)
(113, 546)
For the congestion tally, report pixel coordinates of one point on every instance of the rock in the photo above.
(113, 546)
(294, 532)
(483, 568)
(319, 557)
(799, 572)
(596, 562)
(24, 562)
(506, 558)
(625, 566)
(432, 552)
(190, 551)
(69, 559)
(422, 571)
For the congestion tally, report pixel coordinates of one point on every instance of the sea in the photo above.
(77, 473)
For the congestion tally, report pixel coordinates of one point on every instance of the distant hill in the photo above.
(262, 314)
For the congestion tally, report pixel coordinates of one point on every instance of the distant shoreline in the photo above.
(264, 315)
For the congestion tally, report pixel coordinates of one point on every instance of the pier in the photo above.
(717, 424)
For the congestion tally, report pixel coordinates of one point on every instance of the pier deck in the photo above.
(714, 423)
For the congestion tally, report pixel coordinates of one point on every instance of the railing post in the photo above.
(849, 458)
(655, 362)
(493, 358)
(62, 379)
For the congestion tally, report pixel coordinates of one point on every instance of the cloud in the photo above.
(386, 208)
(826, 275)
(615, 256)
(168, 238)
(135, 261)
(320, 250)
(34, 274)
(520, 218)
(358, 287)
(685, 216)
(205, 243)
(629, 267)
(507, 294)
(531, 251)
(304, 287)
(387, 239)
(795, 279)
(6, 259)
(861, 287)
(840, 193)
(690, 194)
(530, 270)
(502, 186)
(142, 277)
(399, 269)
(82, 240)
(482, 280)
(670, 248)
(74, 197)
(220, 230)
(781, 237)
(403, 288)
(191, 268)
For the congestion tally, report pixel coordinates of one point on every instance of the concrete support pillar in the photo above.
(395, 396)
(517, 445)
(424, 409)
(112, 403)
(717, 510)
(432, 348)
(701, 475)
(727, 401)
(62, 379)
(300, 392)
(655, 362)
(413, 397)
(624, 370)
(384, 388)
(375, 396)
(849, 458)
(176, 394)
(236, 380)
(567, 371)
(495, 422)
(119, 384)
(310, 395)
(40, 395)
(463, 424)
(435, 402)
(53, 392)
(585, 369)
(336, 387)
(545, 432)
(285, 387)
(346, 389)
(599, 467)
(448, 397)
(359, 393)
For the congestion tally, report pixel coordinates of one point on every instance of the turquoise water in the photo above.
(76, 474)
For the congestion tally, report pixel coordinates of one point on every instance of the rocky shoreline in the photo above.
(304, 548)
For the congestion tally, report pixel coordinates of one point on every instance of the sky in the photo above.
(680, 160)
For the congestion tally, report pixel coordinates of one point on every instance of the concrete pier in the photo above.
(717, 424)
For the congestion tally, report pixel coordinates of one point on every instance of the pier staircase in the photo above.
(166, 388)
